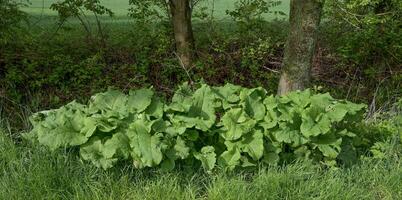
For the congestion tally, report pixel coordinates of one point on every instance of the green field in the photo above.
(120, 7)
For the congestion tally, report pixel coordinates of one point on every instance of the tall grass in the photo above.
(28, 171)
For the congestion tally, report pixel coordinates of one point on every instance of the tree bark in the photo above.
(182, 28)
(301, 44)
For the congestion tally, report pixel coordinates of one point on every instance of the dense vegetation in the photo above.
(234, 125)
(93, 105)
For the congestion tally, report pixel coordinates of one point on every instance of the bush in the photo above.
(228, 126)
(366, 37)
(11, 16)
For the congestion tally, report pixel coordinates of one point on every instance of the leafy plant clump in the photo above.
(228, 126)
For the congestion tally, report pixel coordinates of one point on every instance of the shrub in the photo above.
(11, 16)
(228, 126)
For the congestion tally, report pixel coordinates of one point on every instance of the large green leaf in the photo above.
(146, 148)
(94, 151)
(64, 127)
(236, 123)
(271, 153)
(202, 108)
(285, 134)
(139, 100)
(207, 157)
(195, 112)
(321, 100)
(118, 145)
(155, 109)
(111, 103)
(230, 158)
(253, 144)
(330, 151)
(337, 112)
(300, 98)
(311, 127)
(228, 95)
(182, 99)
(253, 102)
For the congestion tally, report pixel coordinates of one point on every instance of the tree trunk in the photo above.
(300, 47)
(182, 28)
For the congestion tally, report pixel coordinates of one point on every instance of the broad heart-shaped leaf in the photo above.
(270, 102)
(286, 112)
(94, 151)
(253, 144)
(284, 134)
(311, 127)
(271, 153)
(329, 151)
(229, 92)
(236, 123)
(270, 120)
(182, 99)
(321, 100)
(201, 113)
(202, 108)
(112, 102)
(230, 158)
(271, 117)
(155, 109)
(105, 154)
(146, 148)
(253, 102)
(207, 157)
(177, 127)
(228, 95)
(300, 98)
(337, 112)
(104, 123)
(64, 127)
(139, 100)
(118, 145)
(346, 111)
(329, 145)
(167, 165)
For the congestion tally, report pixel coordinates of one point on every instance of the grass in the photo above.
(31, 172)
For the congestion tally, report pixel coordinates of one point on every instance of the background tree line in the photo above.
(354, 52)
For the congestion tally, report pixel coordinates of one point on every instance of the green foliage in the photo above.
(79, 9)
(11, 17)
(249, 14)
(148, 10)
(76, 8)
(228, 126)
(366, 36)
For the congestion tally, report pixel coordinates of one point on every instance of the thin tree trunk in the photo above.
(300, 47)
(182, 28)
